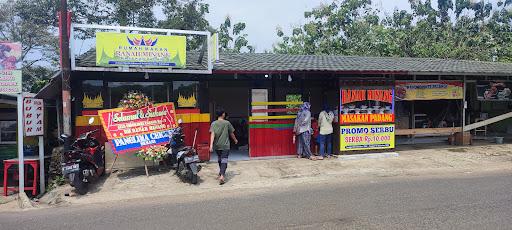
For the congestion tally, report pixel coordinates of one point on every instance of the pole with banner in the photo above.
(33, 125)
(10, 83)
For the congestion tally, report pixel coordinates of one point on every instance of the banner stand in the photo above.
(146, 168)
(113, 162)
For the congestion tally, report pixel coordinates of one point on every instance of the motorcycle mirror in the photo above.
(180, 121)
(91, 120)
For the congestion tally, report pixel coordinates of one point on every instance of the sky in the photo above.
(262, 17)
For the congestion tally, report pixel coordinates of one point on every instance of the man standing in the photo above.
(220, 131)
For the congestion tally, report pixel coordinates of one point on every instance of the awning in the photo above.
(53, 89)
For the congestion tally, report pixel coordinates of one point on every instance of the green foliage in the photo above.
(34, 24)
(232, 37)
(459, 29)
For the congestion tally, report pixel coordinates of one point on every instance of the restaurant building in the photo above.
(380, 102)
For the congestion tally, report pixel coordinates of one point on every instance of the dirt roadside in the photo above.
(278, 173)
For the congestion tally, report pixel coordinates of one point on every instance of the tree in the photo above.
(459, 29)
(186, 15)
(32, 23)
(132, 12)
(232, 38)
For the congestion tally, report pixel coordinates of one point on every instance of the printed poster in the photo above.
(494, 90)
(367, 137)
(429, 90)
(140, 50)
(366, 106)
(130, 130)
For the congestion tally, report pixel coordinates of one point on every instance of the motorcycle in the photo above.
(183, 158)
(84, 160)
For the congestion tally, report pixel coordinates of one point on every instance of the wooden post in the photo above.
(464, 104)
(66, 66)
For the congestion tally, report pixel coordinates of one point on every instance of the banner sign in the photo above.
(10, 63)
(126, 144)
(10, 81)
(494, 90)
(132, 129)
(33, 114)
(140, 50)
(360, 106)
(367, 137)
(431, 90)
(10, 56)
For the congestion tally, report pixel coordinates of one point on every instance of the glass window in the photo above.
(92, 98)
(8, 132)
(157, 91)
(185, 93)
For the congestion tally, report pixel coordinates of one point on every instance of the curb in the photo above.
(368, 156)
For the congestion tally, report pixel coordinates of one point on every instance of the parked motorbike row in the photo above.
(83, 159)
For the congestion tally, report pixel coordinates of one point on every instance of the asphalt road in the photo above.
(468, 202)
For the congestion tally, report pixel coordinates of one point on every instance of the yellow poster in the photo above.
(140, 50)
(432, 90)
(367, 137)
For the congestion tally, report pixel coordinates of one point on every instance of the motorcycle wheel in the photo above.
(180, 168)
(195, 179)
(80, 186)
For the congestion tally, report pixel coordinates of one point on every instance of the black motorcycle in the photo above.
(183, 158)
(84, 160)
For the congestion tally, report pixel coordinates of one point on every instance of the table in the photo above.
(28, 160)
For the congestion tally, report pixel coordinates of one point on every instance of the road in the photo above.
(464, 202)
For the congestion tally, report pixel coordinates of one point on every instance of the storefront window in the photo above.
(185, 93)
(92, 97)
(7, 132)
(157, 91)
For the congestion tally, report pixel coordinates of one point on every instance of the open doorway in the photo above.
(232, 97)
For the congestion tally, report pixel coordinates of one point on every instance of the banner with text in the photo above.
(140, 128)
(367, 137)
(494, 90)
(362, 106)
(431, 90)
(33, 117)
(140, 50)
(10, 64)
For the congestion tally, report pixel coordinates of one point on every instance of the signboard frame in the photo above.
(367, 137)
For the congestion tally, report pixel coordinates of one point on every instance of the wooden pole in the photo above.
(66, 66)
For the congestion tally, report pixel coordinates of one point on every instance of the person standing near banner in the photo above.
(220, 131)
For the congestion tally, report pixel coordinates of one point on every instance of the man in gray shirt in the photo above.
(220, 131)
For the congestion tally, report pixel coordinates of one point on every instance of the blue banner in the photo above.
(138, 142)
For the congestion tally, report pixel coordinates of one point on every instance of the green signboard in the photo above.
(140, 50)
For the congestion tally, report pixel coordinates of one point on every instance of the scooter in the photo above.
(183, 158)
(84, 160)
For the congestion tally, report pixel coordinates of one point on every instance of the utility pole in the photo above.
(66, 68)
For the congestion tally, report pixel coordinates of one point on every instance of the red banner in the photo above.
(120, 122)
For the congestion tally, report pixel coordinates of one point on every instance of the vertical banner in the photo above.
(33, 115)
(366, 106)
(10, 61)
(367, 137)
